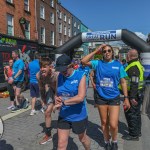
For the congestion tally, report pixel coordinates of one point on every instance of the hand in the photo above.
(99, 49)
(6, 78)
(58, 100)
(10, 81)
(126, 104)
(94, 86)
(134, 102)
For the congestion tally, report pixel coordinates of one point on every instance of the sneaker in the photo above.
(15, 109)
(26, 103)
(33, 112)
(42, 110)
(114, 146)
(130, 138)
(45, 139)
(107, 146)
(10, 107)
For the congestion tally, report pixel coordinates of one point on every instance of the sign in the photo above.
(100, 36)
(22, 20)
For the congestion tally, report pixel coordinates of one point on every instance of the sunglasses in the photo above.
(105, 51)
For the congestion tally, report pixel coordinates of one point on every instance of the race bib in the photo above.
(106, 82)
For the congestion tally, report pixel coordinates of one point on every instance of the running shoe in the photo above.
(45, 139)
(17, 108)
(10, 107)
(33, 112)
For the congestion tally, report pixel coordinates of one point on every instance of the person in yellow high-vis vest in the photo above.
(135, 82)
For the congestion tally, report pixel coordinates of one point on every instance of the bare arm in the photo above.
(125, 92)
(92, 79)
(81, 93)
(18, 73)
(41, 87)
(86, 60)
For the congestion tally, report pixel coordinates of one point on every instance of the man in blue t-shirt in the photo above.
(17, 77)
(34, 68)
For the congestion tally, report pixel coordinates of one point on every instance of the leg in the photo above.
(48, 119)
(18, 92)
(113, 121)
(33, 102)
(103, 112)
(63, 135)
(85, 140)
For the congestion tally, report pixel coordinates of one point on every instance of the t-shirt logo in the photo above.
(74, 81)
(113, 67)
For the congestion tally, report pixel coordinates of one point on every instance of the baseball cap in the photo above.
(62, 63)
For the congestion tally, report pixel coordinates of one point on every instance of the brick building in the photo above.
(63, 25)
(18, 18)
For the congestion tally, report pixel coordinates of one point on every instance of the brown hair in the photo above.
(45, 61)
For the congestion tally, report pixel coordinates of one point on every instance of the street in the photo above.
(23, 132)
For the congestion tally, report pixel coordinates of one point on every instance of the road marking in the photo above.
(10, 115)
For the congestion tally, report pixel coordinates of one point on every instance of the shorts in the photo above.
(18, 84)
(77, 127)
(49, 96)
(34, 90)
(101, 101)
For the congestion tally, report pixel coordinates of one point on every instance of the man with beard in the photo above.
(47, 85)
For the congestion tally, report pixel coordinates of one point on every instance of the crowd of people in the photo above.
(64, 88)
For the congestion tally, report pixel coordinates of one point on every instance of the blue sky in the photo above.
(102, 15)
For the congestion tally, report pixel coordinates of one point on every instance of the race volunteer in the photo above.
(135, 73)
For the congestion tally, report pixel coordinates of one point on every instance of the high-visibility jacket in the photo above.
(141, 78)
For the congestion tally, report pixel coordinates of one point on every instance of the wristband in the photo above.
(126, 97)
(63, 103)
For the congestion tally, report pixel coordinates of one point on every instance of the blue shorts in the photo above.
(34, 90)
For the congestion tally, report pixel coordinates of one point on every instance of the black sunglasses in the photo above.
(109, 51)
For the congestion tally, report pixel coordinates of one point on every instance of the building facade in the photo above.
(63, 25)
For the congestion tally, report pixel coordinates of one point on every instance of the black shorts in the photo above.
(18, 84)
(77, 127)
(101, 101)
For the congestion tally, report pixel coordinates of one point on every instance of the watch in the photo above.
(126, 96)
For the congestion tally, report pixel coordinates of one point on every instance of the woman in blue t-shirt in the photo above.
(70, 99)
(109, 73)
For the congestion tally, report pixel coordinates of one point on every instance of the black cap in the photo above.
(62, 63)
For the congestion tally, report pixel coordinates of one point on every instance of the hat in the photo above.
(62, 63)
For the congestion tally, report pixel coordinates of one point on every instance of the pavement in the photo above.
(23, 132)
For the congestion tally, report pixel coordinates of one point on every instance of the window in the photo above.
(26, 5)
(69, 32)
(75, 24)
(69, 22)
(74, 33)
(59, 14)
(42, 35)
(10, 1)
(42, 12)
(52, 17)
(52, 40)
(27, 30)
(60, 28)
(10, 24)
(60, 42)
(78, 27)
(52, 3)
(65, 17)
(65, 30)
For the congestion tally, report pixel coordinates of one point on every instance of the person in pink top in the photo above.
(8, 75)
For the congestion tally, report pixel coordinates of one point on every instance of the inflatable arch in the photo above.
(126, 36)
